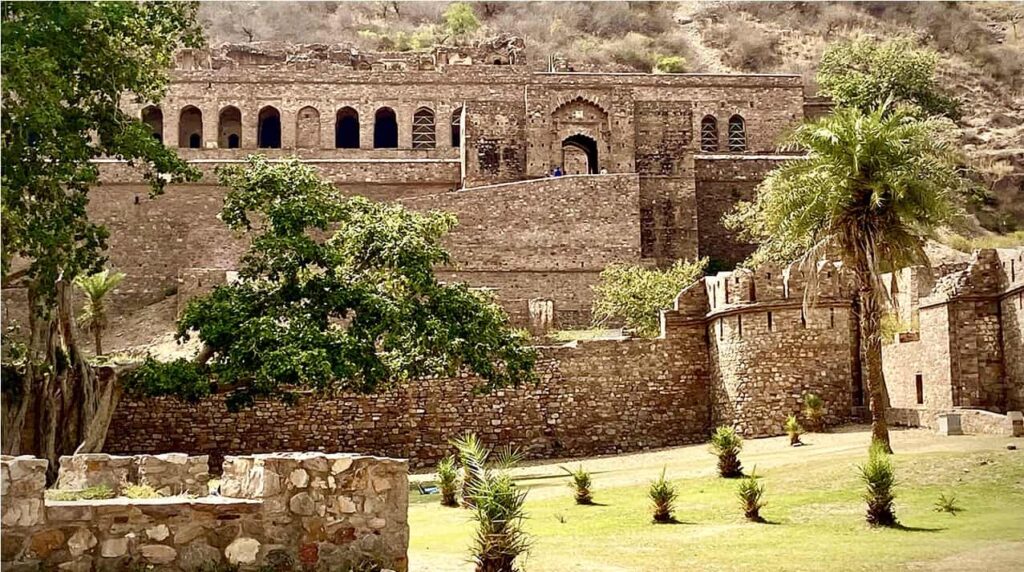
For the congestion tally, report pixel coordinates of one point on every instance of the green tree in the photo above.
(357, 310)
(67, 68)
(865, 73)
(95, 287)
(872, 188)
(670, 64)
(460, 19)
(635, 294)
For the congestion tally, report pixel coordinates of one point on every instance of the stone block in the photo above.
(1017, 423)
(949, 424)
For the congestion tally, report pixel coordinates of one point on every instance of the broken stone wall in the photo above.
(281, 511)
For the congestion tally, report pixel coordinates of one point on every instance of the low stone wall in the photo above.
(286, 511)
(169, 473)
(972, 421)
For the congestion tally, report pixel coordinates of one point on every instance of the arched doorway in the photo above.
(385, 129)
(154, 118)
(268, 133)
(346, 129)
(190, 128)
(229, 134)
(579, 155)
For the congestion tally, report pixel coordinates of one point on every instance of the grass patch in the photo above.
(816, 510)
(583, 335)
(140, 492)
(970, 244)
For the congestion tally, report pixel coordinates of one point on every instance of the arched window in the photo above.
(737, 134)
(190, 128)
(346, 129)
(229, 128)
(457, 128)
(154, 118)
(385, 129)
(424, 134)
(579, 155)
(709, 134)
(307, 128)
(268, 133)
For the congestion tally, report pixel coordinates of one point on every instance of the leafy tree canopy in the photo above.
(66, 67)
(460, 19)
(635, 294)
(865, 73)
(881, 180)
(334, 293)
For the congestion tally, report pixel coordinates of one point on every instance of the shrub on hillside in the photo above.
(635, 294)
(726, 445)
(879, 477)
(663, 495)
(670, 64)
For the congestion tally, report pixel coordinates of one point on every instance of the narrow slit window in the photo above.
(739, 326)
(832, 318)
(919, 386)
(771, 325)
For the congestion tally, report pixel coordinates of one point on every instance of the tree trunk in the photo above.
(70, 405)
(871, 336)
(97, 336)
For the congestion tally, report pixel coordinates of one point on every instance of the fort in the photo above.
(651, 163)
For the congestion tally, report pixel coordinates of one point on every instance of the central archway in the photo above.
(579, 155)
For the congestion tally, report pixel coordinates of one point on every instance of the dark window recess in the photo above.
(919, 386)
(770, 324)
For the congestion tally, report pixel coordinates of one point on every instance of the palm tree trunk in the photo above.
(871, 337)
(97, 336)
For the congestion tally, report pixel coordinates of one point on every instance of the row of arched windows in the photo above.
(307, 128)
(709, 134)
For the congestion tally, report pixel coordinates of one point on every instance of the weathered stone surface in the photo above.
(82, 541)
(302, 504)
(299, 478)
(44, 542)
(114, 547)
(188, 532)
(242, 551)
(197, 556)
(158, 553)
(158, 532)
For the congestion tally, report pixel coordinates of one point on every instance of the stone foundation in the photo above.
(285, 511)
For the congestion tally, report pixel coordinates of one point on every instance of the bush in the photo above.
(670, 64)
(498, 513)
(726, 444)
(663, 496)
(948, 504)
(448, 480)
(140, 492)
(750, 493)
(473, 458)
(460, 19)
(814, 411)
(635, 294)
(98, 492)
(794, 430)
(580, 484)
(879, 476)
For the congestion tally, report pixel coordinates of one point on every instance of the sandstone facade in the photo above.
(283, 511)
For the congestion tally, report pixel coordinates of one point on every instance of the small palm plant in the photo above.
(94, 313)
(663, 496)
(498, 513)
(880, 477)
(581, 484)
(750, 493)
(448, 480)
(814, 411)
(794, 430)
(473, 458)
(726, 444)
(948, 504)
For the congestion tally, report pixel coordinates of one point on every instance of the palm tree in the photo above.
(872, 188)
(94, 312)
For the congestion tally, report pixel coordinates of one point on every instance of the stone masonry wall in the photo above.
(168, 473)
(601, 397)
(283, 511)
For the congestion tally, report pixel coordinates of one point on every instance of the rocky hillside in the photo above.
(981, 44)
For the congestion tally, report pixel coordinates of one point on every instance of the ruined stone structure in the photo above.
(740, 348)
(452, 129)
(280, 511)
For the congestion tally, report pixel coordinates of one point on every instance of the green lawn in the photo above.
(814, 510)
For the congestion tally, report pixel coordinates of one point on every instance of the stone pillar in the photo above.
(22, 483)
